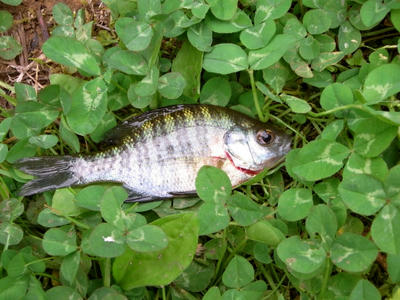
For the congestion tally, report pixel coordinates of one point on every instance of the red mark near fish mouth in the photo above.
(246, 171)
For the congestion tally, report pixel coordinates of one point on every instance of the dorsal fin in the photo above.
(116, 135)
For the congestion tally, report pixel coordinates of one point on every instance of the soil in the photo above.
(33, 22)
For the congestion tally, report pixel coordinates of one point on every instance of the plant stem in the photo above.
(107, 272)
(163, 293)
(255, 97)
(377, 32)
(336, 109)
(10, 99)
(290, 127)
(326, 278)
(7, 86)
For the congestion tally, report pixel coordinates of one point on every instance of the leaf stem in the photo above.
(163, 293)
(107, 271)
(326, 278)
(7, 86)
(255, 96)
(10, 99)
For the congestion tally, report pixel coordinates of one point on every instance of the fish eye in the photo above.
(264, 137)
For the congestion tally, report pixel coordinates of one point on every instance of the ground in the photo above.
(33, 22)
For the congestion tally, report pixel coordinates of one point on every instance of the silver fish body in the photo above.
(158, 154)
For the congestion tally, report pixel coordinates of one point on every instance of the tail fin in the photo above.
(52, 172)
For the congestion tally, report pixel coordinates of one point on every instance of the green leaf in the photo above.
(223, 10)
(259, 35)
(68, 136)
(148, 9)
(297, 105)
(295, 204)
(243, 210)
(110, 207)
(316, 21)
(9, 47)
(136, 100)
(309, 48)
(200, 36)
(136, 35)
(69, 266)
(12, 2)
(239, 22)
(72, 53)
(3, 152)
(126, 61)
(62, 14)
(20, 150)
(349, 38)
(267, 56)
(238, 273)
(332, 130)
(26, 124)
(318, 159)
(381, 83)
(357, 165)
(147, 238)
(196, 277)
(373, 11)
(322, 221)
(276, 76)
(264, 232)
(48, 219)
(107, 241)
(372, 138)
(6, 20)
(216, 91)
(13, 287)
(353, 252)
(213, 293)
(391, 184)
(304, 257)
(10, 209)
(171, 85)
(212, 217)
(90, 197)
(135, 269)
(271, 9)
(294, 27)
(88, 106)
(63, 293)
(212, 184)
(148, 85)
(10, 234)
(363, 194)
(44, 141)
(188, 62)
(215, 248)
(336, 95)
(385, 229)
(64, 204)
(59, 241)
(108, 122)
(393, 263)
(325, 60)
(365, 290)
(4, 127)
(225, 59)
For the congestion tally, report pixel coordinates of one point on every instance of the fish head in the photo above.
(256, 148)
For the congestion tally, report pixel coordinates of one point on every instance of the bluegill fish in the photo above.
(157, 155)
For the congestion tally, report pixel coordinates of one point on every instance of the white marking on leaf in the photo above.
(380, 89)
(108, 239)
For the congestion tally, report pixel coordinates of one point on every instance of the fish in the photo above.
(157, 154)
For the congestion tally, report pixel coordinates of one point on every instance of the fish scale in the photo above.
(158, 154)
